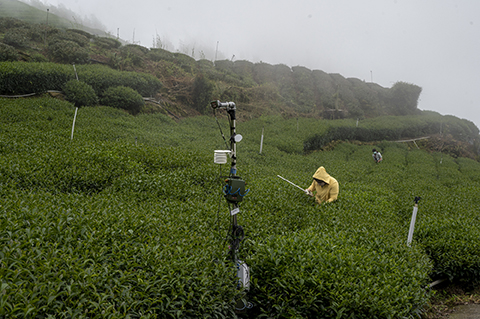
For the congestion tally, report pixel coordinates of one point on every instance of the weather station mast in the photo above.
(233, 191)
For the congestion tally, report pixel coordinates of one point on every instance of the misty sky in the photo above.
(434, 44)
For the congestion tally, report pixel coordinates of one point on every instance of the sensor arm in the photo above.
(231, 108)
(222, 105)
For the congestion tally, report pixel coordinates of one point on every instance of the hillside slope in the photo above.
(189, 85)
(27, 13)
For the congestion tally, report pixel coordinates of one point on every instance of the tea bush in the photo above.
(157, 54)
(122, 97)
(75, 262)
(102, 77)
(80, 93)
(24, 78)
(133, 54)
(8, 53)
(66, 51)
(202, 91)
(37, 57)
(7, 23)
(17, 37)
(78, 37)
(107, 43)
(392, 128)
(340, 274)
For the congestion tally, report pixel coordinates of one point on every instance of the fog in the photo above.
(434, 44)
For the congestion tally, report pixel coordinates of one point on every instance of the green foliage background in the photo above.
(128, 218)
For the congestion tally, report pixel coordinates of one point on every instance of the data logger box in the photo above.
(234, 189)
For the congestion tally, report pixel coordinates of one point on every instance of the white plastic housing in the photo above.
(221, 156)
(243, 274)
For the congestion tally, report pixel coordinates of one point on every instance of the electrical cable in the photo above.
(221, 132)
(244, 306)
(219, 203)
(227, 191)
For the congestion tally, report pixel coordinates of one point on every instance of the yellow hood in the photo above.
(322, 175)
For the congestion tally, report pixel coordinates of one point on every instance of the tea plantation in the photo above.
(128, 219)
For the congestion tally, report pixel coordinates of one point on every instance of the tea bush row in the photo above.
(413, 127)
(65, 51)
(339, 274)
(395, 128)
(24, 78)
(80, 256)
(81, 239)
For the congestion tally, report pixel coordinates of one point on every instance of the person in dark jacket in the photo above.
(377, 157)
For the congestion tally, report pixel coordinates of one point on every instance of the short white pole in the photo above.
(412, 225)
(74, 118)
(76, 109)
(261, 141)
(75, 69)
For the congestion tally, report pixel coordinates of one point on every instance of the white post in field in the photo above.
(76, 109)
(412, 225)
(412, 222)
(74, 117)
(261, 141)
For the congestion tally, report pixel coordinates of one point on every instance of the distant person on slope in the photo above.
(324, 185)
(377, 157)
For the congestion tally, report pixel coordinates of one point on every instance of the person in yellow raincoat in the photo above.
(325, 187)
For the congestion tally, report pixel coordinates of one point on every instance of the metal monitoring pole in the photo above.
(234, 191)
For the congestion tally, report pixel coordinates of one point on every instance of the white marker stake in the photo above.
(74, 118)
(261, 142)
(412, 225)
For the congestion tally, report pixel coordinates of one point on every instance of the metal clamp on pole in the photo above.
(226, 105)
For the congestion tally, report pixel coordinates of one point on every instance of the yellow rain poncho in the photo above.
(327, 193)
